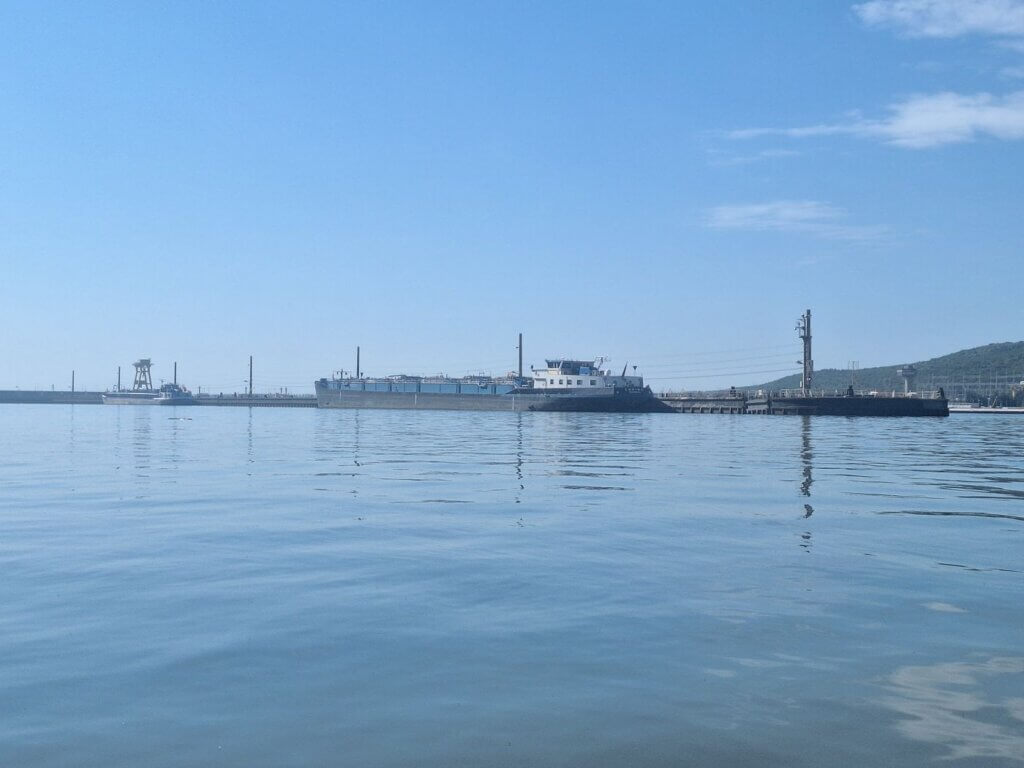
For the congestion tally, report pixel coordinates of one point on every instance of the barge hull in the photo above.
(622, 402)
(851, 406)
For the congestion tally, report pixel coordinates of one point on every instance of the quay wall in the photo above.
(705, 404)
(258, 401)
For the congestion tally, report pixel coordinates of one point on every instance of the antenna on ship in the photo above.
(358, 376)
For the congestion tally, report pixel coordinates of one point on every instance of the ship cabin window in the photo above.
(560, 381)
(579, 382)
(551, 381)
(593, 382)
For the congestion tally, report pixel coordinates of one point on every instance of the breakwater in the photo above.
(39, 396)
(54, 397)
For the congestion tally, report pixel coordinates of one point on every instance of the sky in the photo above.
(669, 185)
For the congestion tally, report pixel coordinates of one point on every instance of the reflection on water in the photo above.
(952, 704)
(142, 442)
(806, 454)
(284, 587)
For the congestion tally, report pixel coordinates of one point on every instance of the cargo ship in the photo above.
(563, 385)
(168, 394)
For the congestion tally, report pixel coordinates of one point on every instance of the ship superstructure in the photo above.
(582, 375)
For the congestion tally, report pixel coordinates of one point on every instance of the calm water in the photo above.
(212, 586)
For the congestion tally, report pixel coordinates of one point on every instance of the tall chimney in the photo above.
(520, 355)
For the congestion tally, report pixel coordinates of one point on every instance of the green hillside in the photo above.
(1002, 362)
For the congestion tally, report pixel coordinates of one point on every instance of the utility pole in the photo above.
(803, 327)
(250, 375)
(119, 378)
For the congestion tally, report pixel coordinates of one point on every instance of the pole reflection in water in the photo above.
(519, 457)
(806, 455)
(248, 431)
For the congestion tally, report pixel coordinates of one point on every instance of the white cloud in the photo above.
(801, 216)
(946, 18)
(924, 121)
(946, 118)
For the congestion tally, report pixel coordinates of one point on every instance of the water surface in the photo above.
(219, 586)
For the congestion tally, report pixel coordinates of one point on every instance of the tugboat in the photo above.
(143, 393)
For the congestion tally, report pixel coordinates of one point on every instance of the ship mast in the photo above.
(803, 327)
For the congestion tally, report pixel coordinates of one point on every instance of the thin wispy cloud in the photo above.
(946, 18)
(809, 217)
(923, 121)
(729, 159)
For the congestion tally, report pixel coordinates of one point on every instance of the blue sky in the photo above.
(667, 184)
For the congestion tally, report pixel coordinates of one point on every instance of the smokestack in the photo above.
(520, 355)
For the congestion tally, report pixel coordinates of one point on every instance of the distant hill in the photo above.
(992, 362)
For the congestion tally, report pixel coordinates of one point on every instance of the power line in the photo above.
(722, 373)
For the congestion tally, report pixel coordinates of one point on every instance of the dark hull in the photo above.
(851, 406)
(120, 399)
(619, 402)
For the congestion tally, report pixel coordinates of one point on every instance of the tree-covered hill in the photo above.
(1003, 361)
